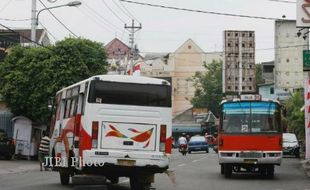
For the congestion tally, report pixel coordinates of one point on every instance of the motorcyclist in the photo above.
(182, 142)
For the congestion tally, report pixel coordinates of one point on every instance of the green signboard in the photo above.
(306, 60)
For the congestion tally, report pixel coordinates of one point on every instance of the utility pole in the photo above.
(33, 21)
(132, 29)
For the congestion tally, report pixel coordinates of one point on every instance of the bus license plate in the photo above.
(123, 162)
(250, 161)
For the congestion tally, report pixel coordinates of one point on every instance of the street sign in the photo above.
(306, 60)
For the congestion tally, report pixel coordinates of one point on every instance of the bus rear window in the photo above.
(104, 92)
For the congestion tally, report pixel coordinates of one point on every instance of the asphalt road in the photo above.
(198, 171)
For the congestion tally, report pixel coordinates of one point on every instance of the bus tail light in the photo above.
(163, 132)
(94, 136)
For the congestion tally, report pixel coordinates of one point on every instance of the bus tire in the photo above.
(136, 184)
(227, 170)
(64, 177)
(222, 169)
(270, 171)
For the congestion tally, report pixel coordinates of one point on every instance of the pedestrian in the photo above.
(44, 149)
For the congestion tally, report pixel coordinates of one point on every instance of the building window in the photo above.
(236, 78)
(250, 44)
(237, 45)
(189, 47)
(250, 34)
(250, 87)
(228, 78)
(228, 87)
(250, 66)
(228, 34)
(243, 45)
(272, 90)
(236, 87)
(243, 78)
(243, 34)
(243, 87)
(236, 34)
(287, 60)
(250, 79)
(236, 66)
(228, 44)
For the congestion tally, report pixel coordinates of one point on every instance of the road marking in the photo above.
(195, 161)
(180, 165)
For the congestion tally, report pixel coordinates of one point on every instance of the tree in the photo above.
(294, 116)
(208, 86)
(258, 74)
(30, 76)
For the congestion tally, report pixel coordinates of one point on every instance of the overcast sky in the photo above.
(163, 30)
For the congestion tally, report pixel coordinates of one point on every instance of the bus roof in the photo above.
(238, 100)
(122, 79)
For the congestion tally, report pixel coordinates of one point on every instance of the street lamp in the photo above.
(34, 26)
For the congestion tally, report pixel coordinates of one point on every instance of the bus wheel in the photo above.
(64, 177)
(222, 169)
(227, 170)
(270, 171)
(136, 184)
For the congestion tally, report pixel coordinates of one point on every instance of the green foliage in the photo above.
(208, 86)
(30, 76)
(295, 118)
(258, 74)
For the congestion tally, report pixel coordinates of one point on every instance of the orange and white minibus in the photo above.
(115, 126)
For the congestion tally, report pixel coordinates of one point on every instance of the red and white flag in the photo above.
(137, 69)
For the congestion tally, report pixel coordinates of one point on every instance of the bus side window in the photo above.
(67, 108)
(73, 107)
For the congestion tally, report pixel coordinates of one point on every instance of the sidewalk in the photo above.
(18, 166)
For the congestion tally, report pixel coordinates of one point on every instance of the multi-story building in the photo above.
(239, 61)
(268, 71)
(289, 55)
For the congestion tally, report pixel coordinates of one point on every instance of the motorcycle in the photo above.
(183, 149)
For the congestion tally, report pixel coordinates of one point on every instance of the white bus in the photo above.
(113, 125)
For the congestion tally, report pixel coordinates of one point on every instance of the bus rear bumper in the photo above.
(134, 159)
(261, 157)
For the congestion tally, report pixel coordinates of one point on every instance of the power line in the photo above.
(119, 18)
(8, 19)
(58, 19)
(126, 10)
(5, 6)
(283, 1)
(201, 11)
(100, 16)
(48, 31)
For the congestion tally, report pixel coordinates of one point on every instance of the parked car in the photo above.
(7, 145)
(290, 145)
(198, 143)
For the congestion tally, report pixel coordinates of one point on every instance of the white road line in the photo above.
(180, 165)
(195, 161)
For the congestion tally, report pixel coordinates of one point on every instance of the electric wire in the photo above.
(119, 18)
(125, 10)
(6, 5)
(283, 1)
(100, 16)
(96, 20)
(48, 31)
(58, 19)
(201, 11)
(8, 19)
